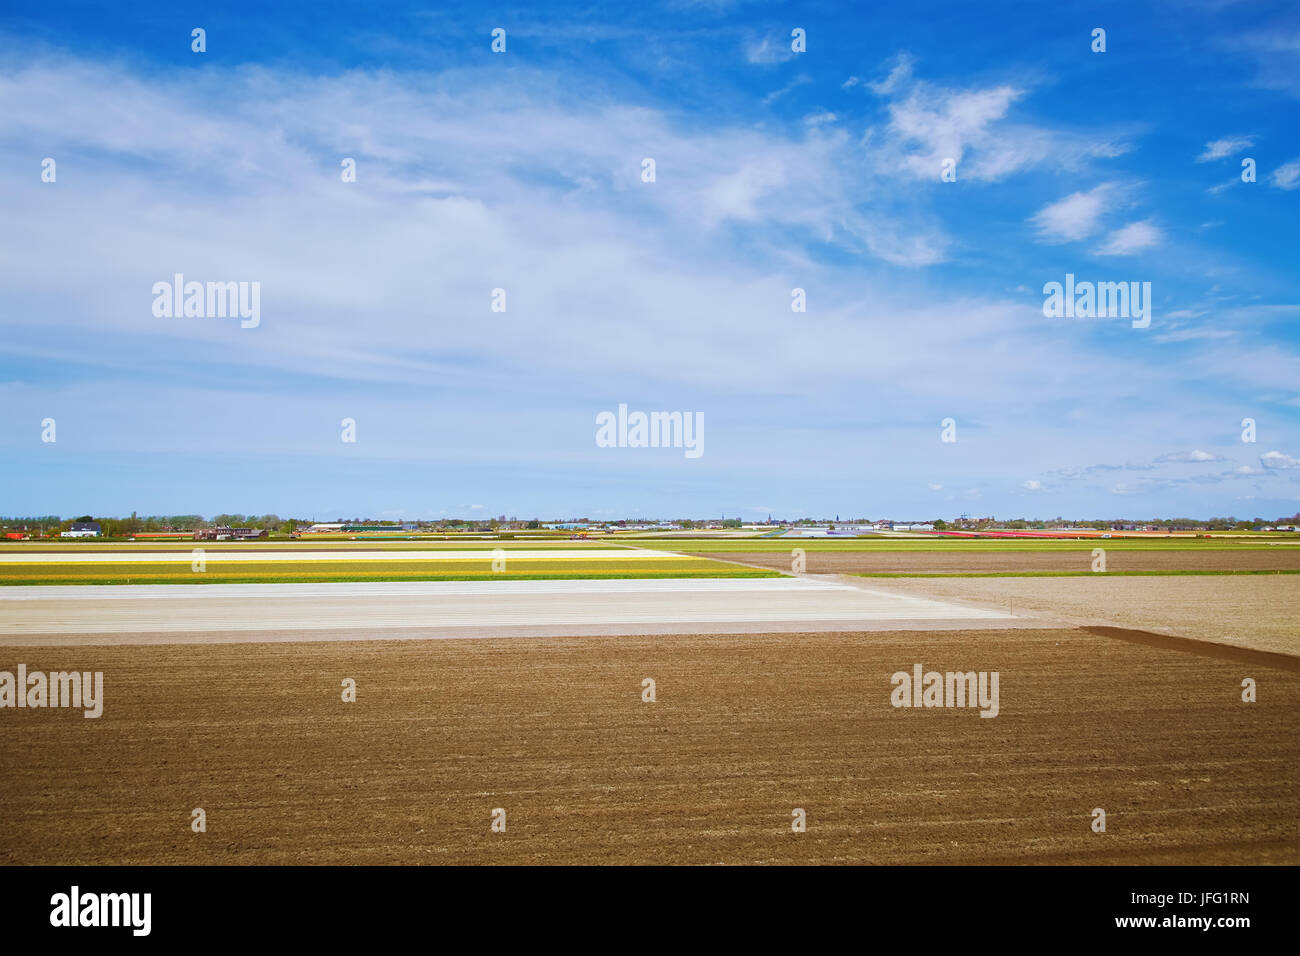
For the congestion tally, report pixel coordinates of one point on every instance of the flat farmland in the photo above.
(745, 728)
(1118, 561)
(972, 545)
(939, 556)
(302, 545)
(1257, 611)
(435, 610)
(221, 565)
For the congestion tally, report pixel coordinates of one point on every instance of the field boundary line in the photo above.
(1243, 655)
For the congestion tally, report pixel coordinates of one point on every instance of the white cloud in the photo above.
(1132, 238)
(803, 79)
(898, 76)
(929, 124)
(934, 125)
(1032, 485)
(468, 182)
(1277, 460)
(769, 50)
(819, 118)
(1194, 335)
(1274, 47)
(1219, 148)
(1189, 456)
(1077, 216)
(737, 195)
(1286, 176)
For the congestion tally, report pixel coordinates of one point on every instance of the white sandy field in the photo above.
(184, 613)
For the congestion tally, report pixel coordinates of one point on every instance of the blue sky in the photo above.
(775, 170)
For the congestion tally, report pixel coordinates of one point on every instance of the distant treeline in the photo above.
(115, 527)
(145, 524)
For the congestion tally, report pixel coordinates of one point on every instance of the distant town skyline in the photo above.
(164, 522)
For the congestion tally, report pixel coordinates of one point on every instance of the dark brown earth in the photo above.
(931, 562)
(745, 729)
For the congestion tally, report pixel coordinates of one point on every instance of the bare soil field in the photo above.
(992, 562)
(745, 729)
(1255, 611)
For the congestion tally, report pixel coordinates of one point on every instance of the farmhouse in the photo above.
(227, 534)
(82, 529)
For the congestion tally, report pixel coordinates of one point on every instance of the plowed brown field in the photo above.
(745, 729)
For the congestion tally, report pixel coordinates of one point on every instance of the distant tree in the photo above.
(940, 524)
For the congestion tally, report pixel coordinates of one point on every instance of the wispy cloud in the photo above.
(1275, 52)
(929, 124)
(768, 50)
(523, 172)
(1078, 215)
(899, 74)
(1135, 237)
(803, 79)
(1193, 457)
(1195, 335)
(1219, 148)
(1286, 176)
